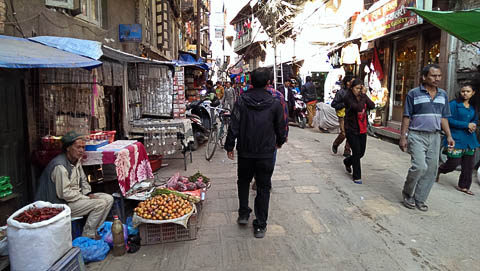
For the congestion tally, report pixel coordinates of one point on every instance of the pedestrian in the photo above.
(463, 124)
(425, 114)
(258, 127)
(287, 92)
(219, 90)
(356, 105)
(229, 96)
(309, 95)
(339, 106)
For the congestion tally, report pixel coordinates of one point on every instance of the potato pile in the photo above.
(163, 207)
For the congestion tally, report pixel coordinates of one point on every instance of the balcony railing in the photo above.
(243, 41)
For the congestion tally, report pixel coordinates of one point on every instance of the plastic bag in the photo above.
(131, 229)
(92, 250)
(53, 238)
(4, 242)
(105, 231)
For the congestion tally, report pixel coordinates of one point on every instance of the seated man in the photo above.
(63, 181)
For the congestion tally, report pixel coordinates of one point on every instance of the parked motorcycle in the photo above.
(199, 115)
(300, 111)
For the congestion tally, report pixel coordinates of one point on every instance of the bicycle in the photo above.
(217, 134)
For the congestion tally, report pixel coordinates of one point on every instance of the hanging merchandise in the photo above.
(350, 54)
(155, 84)
(376, 64)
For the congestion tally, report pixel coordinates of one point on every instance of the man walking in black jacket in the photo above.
(258, 127)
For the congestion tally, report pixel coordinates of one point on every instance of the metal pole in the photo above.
(198, 25)
(275, 51)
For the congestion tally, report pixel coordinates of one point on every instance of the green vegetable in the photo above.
(197, 175)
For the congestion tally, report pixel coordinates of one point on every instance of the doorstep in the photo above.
(389, 132)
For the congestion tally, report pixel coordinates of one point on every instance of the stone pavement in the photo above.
(320, 220)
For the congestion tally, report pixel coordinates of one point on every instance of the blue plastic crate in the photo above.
(94, 147)
(71, 261)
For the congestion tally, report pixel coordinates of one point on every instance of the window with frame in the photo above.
(164, 27)
(91, 11)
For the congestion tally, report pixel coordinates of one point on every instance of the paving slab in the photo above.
(319, 219)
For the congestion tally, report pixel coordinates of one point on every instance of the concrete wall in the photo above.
(467, 64)
(36, 19)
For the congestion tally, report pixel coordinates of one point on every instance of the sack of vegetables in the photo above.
(38, 235)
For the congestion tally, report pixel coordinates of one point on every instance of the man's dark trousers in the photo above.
(262, 169)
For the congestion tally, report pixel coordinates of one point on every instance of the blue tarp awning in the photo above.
(23, 53)
(189, 60)
(88, 48)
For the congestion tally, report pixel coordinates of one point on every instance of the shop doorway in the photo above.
(318, 80)
(13, 140)
(404, 74)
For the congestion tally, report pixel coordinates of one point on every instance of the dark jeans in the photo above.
(357, 143)
(262, 169)
(465, 180)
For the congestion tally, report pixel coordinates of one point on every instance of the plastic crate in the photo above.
(151, 234)
(71, 261)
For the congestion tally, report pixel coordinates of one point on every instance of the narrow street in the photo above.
(320, 220)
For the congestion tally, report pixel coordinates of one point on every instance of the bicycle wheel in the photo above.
(212, 143)
(222, 134)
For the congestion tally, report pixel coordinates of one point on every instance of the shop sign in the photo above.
(389, 18)
(130, 32)
(192, 48)
(236, 70)
(219, 33)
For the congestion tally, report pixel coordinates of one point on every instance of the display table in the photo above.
(130, 159)
(165, 136)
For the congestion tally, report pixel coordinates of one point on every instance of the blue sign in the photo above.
(130, 32)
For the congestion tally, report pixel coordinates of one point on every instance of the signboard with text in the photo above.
(389, 18)
(130, 32)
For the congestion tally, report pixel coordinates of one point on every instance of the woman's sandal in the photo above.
(464, 190)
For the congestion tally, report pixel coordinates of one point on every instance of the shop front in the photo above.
(404, 45)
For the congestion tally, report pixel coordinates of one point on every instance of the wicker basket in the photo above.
(169, 232)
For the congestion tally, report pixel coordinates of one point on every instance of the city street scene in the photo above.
(239, 135)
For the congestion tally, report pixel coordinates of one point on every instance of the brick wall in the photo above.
(3, 16)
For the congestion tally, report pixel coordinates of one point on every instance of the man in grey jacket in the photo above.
(64, 181)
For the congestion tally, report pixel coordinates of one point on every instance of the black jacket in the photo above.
(257, 124)
(337, 102)
(290, 97)
(352, 108)
(308, 92)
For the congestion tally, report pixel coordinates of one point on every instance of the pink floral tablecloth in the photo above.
(131, 164)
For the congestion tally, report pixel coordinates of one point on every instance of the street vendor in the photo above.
(63, 181)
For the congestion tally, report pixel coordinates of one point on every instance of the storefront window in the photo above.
(405, 59)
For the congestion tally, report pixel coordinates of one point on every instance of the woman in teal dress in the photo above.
(463, 123)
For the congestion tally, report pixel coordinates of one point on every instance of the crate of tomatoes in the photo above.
(168, 216)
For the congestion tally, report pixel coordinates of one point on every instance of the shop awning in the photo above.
(188, 60)
(463, 24)
(23, 53)
(88, 48)
(126, 57)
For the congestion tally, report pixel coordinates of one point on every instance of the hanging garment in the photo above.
(350, 54)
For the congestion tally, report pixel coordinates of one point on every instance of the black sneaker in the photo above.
(259, 232)
(334, 149)
(348, 169)
(408, 202)
(347, 154)
(242, 220)
(421, 206)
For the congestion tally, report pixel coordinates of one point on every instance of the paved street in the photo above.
(320, 220)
